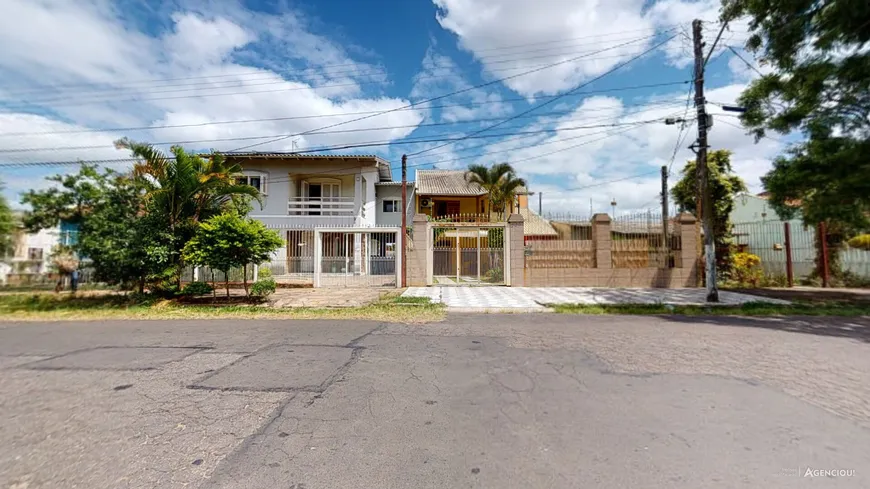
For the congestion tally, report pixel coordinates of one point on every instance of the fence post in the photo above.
(256, 271)
(196, 274)
(789, 269)
(318, 256)
(601, 241)
(514, 248)
(823, 237)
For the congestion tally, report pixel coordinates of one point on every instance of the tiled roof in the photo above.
(535, 225)
(384, 170)
(449, 182)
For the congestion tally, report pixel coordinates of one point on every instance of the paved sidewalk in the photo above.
(535, 298)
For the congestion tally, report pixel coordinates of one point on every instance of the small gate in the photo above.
(464, 254)
(357, 257)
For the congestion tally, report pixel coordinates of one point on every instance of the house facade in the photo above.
(29, 259)
(305, 197)
(442, 193)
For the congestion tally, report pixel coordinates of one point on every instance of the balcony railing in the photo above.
(321, 206)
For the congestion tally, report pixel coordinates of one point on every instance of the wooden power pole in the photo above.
(703, 173)
(403, 239)
(665, 242)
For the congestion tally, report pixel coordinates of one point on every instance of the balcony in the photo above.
(321, 206)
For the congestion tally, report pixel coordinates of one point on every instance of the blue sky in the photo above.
(75, 75)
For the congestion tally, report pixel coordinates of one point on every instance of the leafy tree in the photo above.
(118, 239)
(7, 225)
(723, 185)
(820, 85)
(228, 241)
(500, 182)
(185, 190)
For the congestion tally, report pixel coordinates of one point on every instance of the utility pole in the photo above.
(540, 206)
(665, 243)
(404, 220)
(706, 214)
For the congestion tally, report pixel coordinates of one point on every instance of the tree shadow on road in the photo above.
(857, 328)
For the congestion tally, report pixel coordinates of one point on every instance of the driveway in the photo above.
(532, 299)
(486, 401)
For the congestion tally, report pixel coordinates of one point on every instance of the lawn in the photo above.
(53, 307)
(830, 308)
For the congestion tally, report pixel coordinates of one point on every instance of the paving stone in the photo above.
(536, 298)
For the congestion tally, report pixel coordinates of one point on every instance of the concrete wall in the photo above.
(683, 274)
(393, 192)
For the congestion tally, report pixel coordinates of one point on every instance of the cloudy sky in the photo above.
(572, 93)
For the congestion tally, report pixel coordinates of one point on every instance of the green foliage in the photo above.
(746, 269)
(228, 241)
(494, 275)
(265, 272)
(263, 287)
(820, 86)
(500, 182)
(121, 243)
(861, 242)
(196, 288)
(187, 189)
(7, 224)
(723, 185)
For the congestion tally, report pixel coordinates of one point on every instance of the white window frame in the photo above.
(262, 175)
(397, 206)
(306, 185)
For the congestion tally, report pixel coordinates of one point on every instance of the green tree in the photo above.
(119, 241)
(723, 185)
(185, 190)
(7, 225)
(500, 182)
(228, 241)
(820, 86)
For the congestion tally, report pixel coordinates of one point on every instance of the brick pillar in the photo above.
(417, 253)
(688, 257)
(517, 238)
(601, 241)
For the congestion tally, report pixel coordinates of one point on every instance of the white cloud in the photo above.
(438, 75)
(557, 30)
(96, 69)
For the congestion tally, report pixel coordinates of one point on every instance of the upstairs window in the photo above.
(254, 179)
(392, 205)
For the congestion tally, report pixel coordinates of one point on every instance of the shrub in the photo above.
(746, 270)
(265, 272)
(263, 287)
(196, 288)
(494, 275)
(861, 242)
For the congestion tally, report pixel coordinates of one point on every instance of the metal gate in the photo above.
(357, 257)
(468, 254)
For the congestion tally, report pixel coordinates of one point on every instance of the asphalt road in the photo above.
(486, 401)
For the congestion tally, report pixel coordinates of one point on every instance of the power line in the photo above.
(320, 67)
(317, 116)
(424, 139)
(747, 63)
(536, 107)
(242, 138)
(499, 80)
(100, 96)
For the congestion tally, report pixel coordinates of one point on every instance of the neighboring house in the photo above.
(30, 257)
(441, 193)
(389, 204)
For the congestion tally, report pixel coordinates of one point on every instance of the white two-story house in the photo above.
(301, 193)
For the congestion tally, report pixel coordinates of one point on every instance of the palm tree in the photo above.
(185, 189)
(500, 183)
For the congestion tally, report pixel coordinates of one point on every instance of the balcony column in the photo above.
(357, 199)
(292, 191)
(369, 202)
